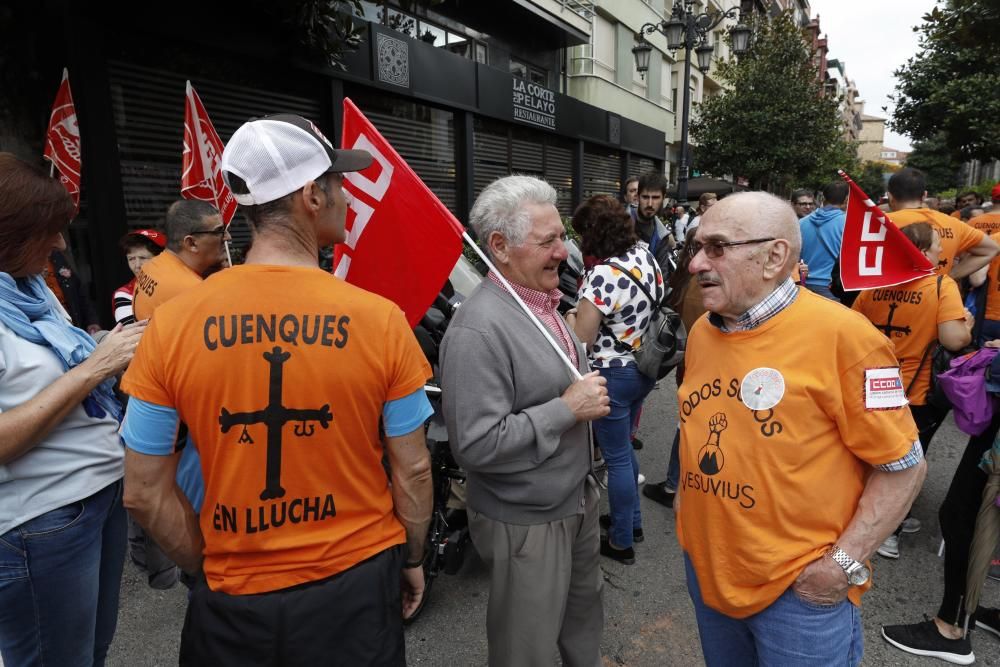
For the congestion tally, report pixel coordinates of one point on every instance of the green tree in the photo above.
(772, 124)
(871, 178)
(933, 157)
(952, 86)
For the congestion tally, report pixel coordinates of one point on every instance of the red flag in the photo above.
(402, 242)
(201, 177)
(62, 140)
(874, 252)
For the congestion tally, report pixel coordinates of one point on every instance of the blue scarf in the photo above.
(28, 308)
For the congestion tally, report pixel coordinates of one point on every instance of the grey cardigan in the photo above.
(526, 456)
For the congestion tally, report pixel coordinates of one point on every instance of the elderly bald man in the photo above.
(798, 455)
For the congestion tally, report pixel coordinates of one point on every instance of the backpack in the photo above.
(965, 385)
(661, 347)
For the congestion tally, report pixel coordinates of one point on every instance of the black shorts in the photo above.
(352, 618)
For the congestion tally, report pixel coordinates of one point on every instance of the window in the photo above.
(523, 70)
(666, 77)
(604, 42)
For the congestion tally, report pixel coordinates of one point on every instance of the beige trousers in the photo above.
(545, 589)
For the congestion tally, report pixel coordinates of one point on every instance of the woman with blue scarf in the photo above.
(62, 525)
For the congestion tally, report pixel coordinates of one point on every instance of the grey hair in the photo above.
(500, 207)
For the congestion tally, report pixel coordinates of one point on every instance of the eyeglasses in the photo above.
(716, 249)
(805, 203)
(220, 232)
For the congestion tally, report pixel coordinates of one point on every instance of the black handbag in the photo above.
(662, 345)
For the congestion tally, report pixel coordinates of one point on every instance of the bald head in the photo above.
(761, 215)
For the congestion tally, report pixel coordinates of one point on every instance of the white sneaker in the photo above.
(911, 525)
(889, 548)
(641, 479)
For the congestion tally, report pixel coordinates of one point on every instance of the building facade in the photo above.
(465, 93)
(872, 138)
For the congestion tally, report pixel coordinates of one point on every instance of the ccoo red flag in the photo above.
(201, 177)
(62, 140)
(874, 252)
(402, 242)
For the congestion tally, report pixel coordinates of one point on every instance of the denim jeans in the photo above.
(789, 632)
(990, 331)
(674, 467)
(627, 388)
(59, 579)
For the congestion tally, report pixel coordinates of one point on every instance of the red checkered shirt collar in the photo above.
(540, 303)
(543, 305)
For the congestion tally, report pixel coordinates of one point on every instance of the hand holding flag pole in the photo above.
(402, 242)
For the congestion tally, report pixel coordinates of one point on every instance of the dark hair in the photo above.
(652, 180)
(33, 208)
(185, 216)
(605, 228)
(131, 241)
(801, 192)
(979, 200)
(908, 184)
(966, 213)
(921, 234)
(835, 193)
(947, 209)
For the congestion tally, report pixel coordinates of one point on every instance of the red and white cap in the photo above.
(276, 155)
(159, 238)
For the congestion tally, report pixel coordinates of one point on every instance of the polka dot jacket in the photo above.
(625, 308)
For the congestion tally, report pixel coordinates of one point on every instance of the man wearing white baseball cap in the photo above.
(282, 372)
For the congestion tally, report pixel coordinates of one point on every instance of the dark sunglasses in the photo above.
(716, 249)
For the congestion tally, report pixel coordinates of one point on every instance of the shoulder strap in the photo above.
(930, 347)
(654, 302)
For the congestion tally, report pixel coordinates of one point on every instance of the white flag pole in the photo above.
(541, 327)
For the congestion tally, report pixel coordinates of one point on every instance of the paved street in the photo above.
(649, 618)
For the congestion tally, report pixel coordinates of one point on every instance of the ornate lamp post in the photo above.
(688, 29)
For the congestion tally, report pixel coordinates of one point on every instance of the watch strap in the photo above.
(841, 558)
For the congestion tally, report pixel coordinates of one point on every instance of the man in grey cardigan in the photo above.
(518, 422)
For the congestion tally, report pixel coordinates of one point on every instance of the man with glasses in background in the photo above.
(785, 491)
(196, 243)
(803, 202)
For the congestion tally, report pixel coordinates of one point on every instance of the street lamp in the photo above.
(689, 29)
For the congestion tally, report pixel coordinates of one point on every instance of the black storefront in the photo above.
(459, 123)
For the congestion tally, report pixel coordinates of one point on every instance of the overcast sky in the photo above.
(872, 38)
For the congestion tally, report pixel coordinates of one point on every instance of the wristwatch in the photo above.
(857, 573)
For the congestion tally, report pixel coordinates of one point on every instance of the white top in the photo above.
(625, 308)
(78, 458)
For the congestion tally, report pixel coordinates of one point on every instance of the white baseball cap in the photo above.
(277, 155)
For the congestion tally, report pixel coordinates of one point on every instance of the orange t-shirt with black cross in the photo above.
(780, 426)
(992, 310)
(281, 374)
(988, 223)
(160, 280)
(909, 315)
(956, 236)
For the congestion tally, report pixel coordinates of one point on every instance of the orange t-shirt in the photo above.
(992, 310)
(956, 236)
(780, 426)
(160, 280)
(908, 315)
(281, 374)
(988, 223)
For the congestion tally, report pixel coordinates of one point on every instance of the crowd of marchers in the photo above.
(283, 477)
